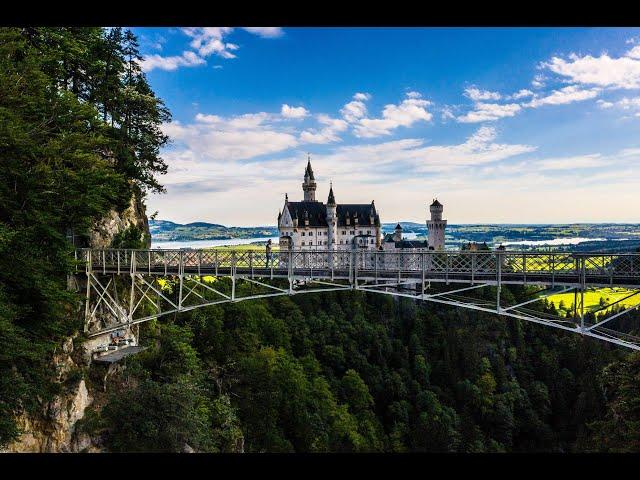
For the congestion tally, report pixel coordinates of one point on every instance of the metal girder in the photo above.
(373, 271)
(537, 299)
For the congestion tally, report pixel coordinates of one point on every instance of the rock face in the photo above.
(54, 430)
(102, 233)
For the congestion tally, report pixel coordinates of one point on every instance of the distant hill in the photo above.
(596, 237)
(165, 230)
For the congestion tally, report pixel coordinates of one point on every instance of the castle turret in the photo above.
(309, 184)
(397, 233)
(332, 219)
(436, 226)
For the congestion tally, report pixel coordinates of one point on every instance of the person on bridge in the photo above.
(268, 252)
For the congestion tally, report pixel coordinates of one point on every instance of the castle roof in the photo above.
(436, 203)
(398, 227)
(362, 211)
(332, 199)
(388, 238)
(309, 171)
(317, 214)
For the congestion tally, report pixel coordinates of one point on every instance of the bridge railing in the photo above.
(477, 265)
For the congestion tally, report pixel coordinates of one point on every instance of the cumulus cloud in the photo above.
(488, 112)
(205, 41)
(266, 32)
(521, 94)
(227, 139)
(538, 81)
(293, 112)
(355, 109)
(624, 103)
(565, 95)
(187, 59)
(327, 134)
(477, 95)
(405, 114)
(604, 71)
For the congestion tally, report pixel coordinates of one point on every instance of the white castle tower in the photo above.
(436, 226)
(309, 185)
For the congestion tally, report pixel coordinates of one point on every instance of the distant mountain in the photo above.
(165, 230)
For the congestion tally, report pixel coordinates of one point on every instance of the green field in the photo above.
(596, 299)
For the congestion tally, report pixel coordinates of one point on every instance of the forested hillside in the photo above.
(363, 372)
(79, 136)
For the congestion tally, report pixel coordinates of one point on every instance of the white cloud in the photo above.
(355, 109)
(206, 41)
(476, 94)
(488, 112)
(538, 81)
(362, 96)
(405, 114)
(221, 139)
(447, 113)
(265, 32)
(187, 59)
(210, 40)
(604, 71)
(522, 94)
(413, 94)
(293, 112)
(327, 134)
(565, 95)
(411, 156)
(624, 103)
(634, 52)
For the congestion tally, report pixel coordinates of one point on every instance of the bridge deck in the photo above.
(587, 269)
(403, 274)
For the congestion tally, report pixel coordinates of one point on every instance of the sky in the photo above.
(502, 125)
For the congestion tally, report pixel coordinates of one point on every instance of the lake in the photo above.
(176, 245)
(451, 243)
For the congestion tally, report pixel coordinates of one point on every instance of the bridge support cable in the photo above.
(616, 315)
(538, 298)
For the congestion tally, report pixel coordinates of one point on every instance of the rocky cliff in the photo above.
(115, 222)
(54, 430)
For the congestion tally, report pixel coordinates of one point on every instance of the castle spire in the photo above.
(309, 184)
(332, 199)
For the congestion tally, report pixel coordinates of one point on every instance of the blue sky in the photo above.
(518, 125)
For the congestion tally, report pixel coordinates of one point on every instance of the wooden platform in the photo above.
(118, 355)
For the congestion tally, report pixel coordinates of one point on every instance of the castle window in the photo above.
(372, 241)
(303, 234)
(310, 243)
(303, 244)
(344, 232)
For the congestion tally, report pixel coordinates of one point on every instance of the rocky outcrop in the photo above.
(54, 429)
(114, 222)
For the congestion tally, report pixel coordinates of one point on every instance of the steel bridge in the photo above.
(127, 287)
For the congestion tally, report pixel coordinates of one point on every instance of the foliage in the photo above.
(79, 133)
(349, 371)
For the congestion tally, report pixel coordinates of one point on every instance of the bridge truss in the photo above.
(127, 287)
